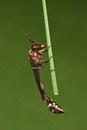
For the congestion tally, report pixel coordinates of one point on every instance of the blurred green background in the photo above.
(20, 105)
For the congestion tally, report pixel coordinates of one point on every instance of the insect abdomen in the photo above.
(53, 106)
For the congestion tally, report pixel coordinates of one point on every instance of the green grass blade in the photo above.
(53, 74)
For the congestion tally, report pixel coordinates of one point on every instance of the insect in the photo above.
(35, 56)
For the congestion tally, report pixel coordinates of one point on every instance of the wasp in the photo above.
(35, 56)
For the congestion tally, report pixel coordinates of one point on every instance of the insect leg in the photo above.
(47, 60)
(46, 49)
(46, 68)
(42, 67)
(37, 68)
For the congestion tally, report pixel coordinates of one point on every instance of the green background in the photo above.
(20, 105)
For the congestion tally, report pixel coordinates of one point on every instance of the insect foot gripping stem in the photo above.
(53, 106)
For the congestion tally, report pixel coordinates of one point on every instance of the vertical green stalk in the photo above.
(53, 75)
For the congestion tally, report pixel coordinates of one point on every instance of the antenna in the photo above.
(31, 41)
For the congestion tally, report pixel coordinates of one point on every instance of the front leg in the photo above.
(44, 50)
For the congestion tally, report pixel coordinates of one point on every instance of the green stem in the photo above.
(53, 74)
